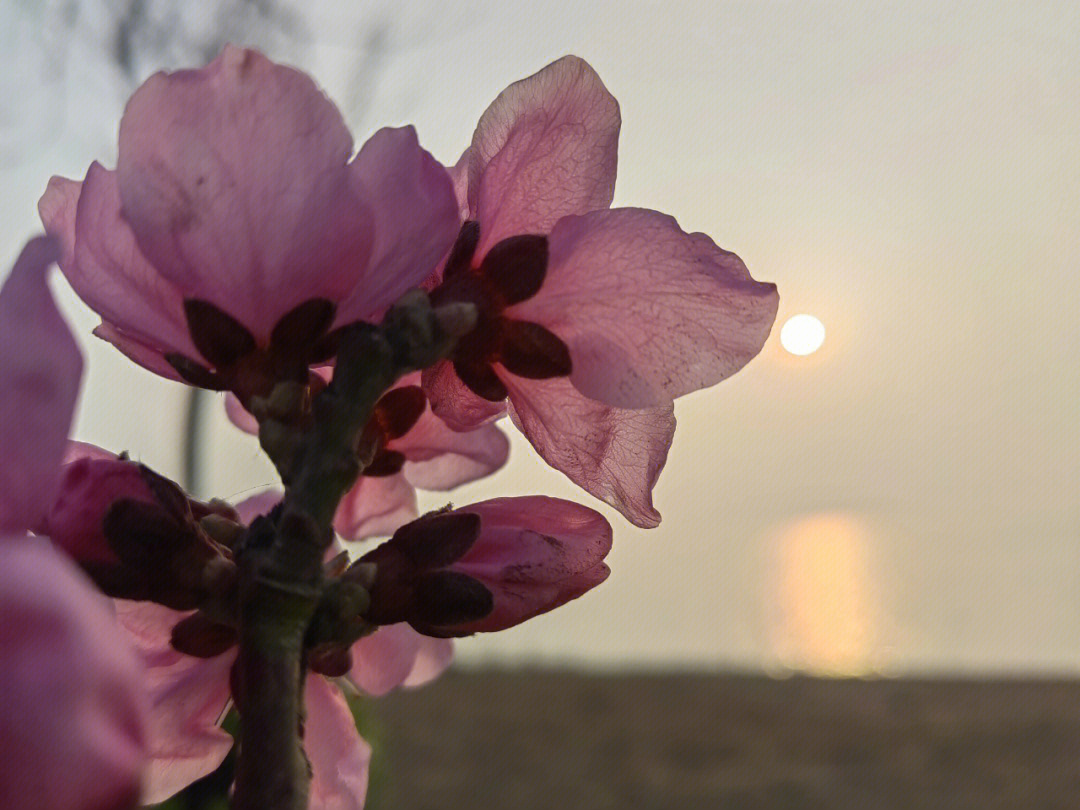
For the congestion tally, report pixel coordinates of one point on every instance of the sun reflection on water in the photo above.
(824, 611)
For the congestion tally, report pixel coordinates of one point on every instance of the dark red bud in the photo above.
(331, 660)
(167, 493)
(437, 540)
(480, 378)
(201, 637)
(218, 336)
(303, 325)
(514, 269)
(461, 253)
(447, 598)
(195, 373)
(398, 411)
(532, 351)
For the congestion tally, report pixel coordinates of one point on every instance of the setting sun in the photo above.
(802, 334)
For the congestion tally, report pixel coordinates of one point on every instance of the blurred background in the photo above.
(899, 501)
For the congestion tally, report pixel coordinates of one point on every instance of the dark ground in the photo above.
(554, 741)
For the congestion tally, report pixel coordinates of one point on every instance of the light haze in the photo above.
(902, 500)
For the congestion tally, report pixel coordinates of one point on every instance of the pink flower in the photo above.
(190, 696)
(591, 320)
(72, 722)
(236, 233)
(416, 450)
(487, 566)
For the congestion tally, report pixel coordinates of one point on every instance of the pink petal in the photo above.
(88, 488)
(613, 454)
(73, 717)
(396, 655)
(648, 311)
(375, 507)
(144, 354)
(578, 584)
(518, 532)
(455, 404)
(339, 757)
(545, 148)
(77, 450)
(259, 504)
(432, 659)
(189, 696)
(57, 208)
(459, 178)
(106, 268)
(382, 661)
(40, 368)
(440, 458)
(533, 554)
(234, 181)
(416, 220)
(240, 416)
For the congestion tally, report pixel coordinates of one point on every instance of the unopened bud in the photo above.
(336, 565)
(286, 401)
(259, 407)
(218, 575)
(221, 529)
(340, 615)
(362, 573)
(279, 441)
(331, 660)
(223, 508)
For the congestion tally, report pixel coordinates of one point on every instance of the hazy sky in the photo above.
(904, 498)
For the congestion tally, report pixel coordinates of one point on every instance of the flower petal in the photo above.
(440, 458)
(432, 659)
(40, 369)
(258, 504)
(416, 220)
(105, 267)
(459, 178)
(136, 350)
(648, 311)
(382, 661)
(338, 755)
(240, 416)
(545, 148)
(73, 718)
(188, 698)
(375, 507)
(234, 181)
(74, 451)
(57, 208)
(455, 404)
(613, 454)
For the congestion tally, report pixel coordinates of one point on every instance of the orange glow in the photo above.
(824, 606)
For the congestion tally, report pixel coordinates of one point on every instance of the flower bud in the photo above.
(88, 488)
(488, 566)
(136, 534)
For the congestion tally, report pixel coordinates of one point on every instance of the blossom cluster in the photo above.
(239, 245)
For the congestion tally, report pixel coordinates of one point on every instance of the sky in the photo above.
(902, 500)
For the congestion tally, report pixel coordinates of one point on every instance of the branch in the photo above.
(281, 574)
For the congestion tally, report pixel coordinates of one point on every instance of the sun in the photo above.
(802, 334)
